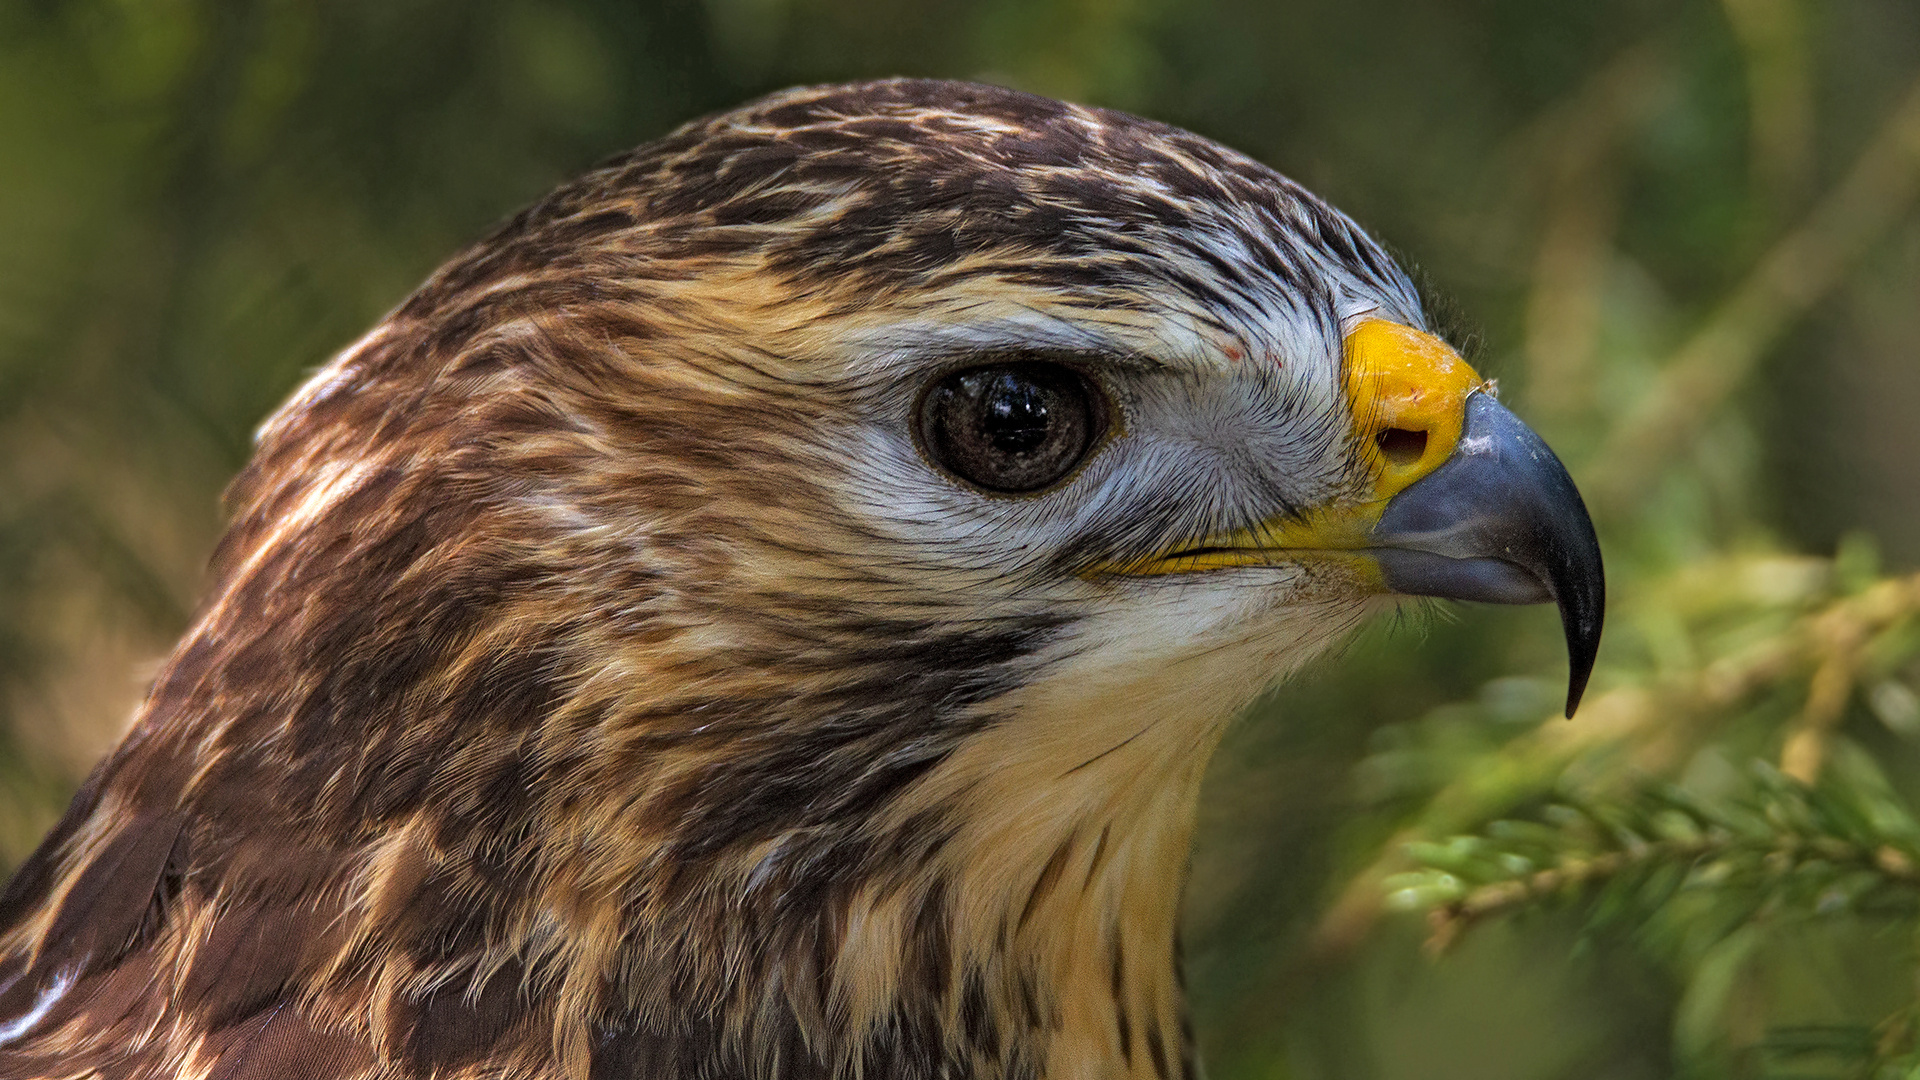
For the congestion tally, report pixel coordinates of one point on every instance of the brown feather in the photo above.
(114, 896)
(281, 1044)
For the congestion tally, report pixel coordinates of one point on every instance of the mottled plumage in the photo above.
(600, 677)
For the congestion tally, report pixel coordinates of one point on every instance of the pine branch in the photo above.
(1783, 849)
(1651, 724)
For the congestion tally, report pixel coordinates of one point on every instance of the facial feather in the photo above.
(599, 680)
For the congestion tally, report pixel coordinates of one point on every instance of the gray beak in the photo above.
(1500, 522)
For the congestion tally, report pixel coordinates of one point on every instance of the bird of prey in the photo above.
(765, 613)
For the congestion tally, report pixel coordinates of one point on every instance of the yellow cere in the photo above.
(1409, 392)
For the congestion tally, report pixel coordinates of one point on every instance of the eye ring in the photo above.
(1018, 425)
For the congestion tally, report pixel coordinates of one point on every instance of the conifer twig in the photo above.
(1447, 921)
(1648, 718)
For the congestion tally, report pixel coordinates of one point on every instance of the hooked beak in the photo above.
(1466, 502)
(1499, 522)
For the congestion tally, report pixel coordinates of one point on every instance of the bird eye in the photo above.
(1011, 427)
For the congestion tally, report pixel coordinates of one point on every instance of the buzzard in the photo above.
(765, 612)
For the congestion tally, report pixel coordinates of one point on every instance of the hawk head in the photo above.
(766, 612)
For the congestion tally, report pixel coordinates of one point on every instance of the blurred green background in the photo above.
(1682, 233)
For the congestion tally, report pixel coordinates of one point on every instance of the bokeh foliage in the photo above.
(1681, 232)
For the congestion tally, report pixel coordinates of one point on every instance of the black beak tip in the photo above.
(1577, 579)
(1583, 645)
(1576, 576)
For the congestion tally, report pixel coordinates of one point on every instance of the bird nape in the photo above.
(765, 612)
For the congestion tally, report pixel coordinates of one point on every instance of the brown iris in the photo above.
(1011, 427)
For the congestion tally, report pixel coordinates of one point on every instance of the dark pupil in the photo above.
(1009, 427)
(1014, 415)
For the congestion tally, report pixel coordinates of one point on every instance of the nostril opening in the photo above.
(1402, 446)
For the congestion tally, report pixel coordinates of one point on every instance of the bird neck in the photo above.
(1078, 913)
(1011, 914)
(1064, 878)
(1019, 923)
